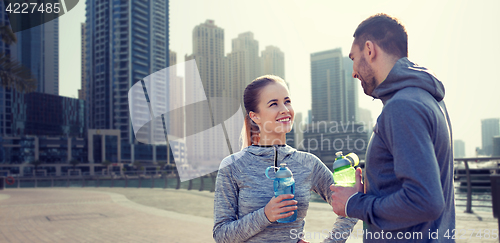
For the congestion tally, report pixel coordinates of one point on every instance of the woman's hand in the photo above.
(276, 206)
(302, 241)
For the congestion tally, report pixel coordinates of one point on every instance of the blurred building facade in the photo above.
(458, 148)
(489, 129)
(82, 90)
(273, 62)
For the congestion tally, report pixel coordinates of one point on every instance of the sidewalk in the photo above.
(150, 215)
(67, 215)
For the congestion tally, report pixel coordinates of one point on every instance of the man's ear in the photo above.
(255, 118)
(370, 51)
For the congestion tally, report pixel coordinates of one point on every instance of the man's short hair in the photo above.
(385, 31)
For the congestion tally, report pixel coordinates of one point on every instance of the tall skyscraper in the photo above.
(489, 129)
(333, 94)
(496, 146)
(177, 99)
(81, 91)
(125, 42)
(246, 43)
(5, 94)
(273, 61)
(334, 105)
(37, 48)
(208, 52)
(351, 92)
(458, 148)
(365, 117)
(296, 136)
(309, 117)
(244, 63)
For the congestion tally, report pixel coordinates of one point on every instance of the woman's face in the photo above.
(275, 114)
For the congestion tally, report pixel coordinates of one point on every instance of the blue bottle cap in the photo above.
(283, 172)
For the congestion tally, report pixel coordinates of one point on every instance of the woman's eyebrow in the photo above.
(273, 100)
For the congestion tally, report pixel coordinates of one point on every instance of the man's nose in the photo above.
(354, 75)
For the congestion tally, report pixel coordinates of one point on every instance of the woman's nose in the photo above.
(285, 109)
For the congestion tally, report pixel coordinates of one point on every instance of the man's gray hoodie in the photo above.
(409, 162)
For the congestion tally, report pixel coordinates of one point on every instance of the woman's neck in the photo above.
(272, 139)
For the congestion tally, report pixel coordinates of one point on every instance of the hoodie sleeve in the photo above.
(406, 128)
(322, 179)
(228, 227)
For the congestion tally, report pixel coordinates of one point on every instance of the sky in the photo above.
(457, 40)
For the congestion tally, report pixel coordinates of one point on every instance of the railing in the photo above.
(148, 179)
(484, 166)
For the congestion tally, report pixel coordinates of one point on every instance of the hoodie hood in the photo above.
(408, 74)
(267, 153)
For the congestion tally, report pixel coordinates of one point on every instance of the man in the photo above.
(408, 183)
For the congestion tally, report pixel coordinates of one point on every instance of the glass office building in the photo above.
(125, 41)
(333, 90)
(56, 117)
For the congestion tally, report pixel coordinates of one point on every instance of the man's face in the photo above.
(362, 70)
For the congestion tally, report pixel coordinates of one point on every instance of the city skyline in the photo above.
(444, 40)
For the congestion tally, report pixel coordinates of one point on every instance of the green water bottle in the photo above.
(344, 173)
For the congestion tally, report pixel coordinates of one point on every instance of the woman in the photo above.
(245, 209)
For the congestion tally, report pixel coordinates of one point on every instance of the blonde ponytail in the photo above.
(250, 133)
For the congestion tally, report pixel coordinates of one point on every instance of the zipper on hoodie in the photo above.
(275, 158)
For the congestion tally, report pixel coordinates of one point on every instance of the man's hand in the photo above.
(341, 194)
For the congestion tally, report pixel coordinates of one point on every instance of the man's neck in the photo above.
(384, 68)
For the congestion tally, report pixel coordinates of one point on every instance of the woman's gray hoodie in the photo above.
(242, 191)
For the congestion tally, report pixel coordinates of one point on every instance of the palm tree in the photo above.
(8, 37)
(107, 163)
(36, 163)
(138, 165)
(12, 73)
(161, 165)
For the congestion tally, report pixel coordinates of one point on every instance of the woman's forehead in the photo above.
(275, 90)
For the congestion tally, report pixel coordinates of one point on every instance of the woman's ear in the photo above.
(254, 116)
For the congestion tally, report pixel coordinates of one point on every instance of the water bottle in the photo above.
(284, 184)
(344, 173)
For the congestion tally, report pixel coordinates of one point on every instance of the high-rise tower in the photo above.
(37, 48)
(244, 63)
(351, 92)
(273, 61)
(6, 95)
(126, 41)
(81, 91)
(489, 129)
(208, 53)
(328, 86)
